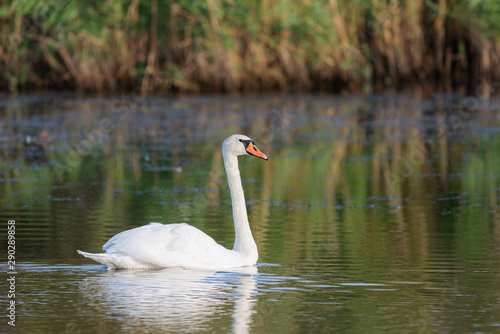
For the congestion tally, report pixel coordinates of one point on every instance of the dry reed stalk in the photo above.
(339, 23)
(151, 78)
(439, 29)
(223, 65)
(300, 45)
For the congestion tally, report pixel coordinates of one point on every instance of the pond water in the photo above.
(373, 213)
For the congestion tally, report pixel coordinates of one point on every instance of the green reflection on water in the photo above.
(357, 190)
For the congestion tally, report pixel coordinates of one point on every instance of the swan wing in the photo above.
(172, 245)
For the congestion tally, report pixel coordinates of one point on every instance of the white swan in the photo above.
(181, 245)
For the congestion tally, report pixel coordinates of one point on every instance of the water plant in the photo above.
(235, 45)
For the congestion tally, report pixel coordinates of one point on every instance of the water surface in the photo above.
(373, 214)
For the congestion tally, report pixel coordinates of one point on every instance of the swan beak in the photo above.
(253, 150)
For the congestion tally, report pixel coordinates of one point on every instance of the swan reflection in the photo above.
(174, 299)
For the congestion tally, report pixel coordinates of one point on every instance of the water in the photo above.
(373, 214)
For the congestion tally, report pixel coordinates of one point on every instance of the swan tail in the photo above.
(117, 261)
(104, 259)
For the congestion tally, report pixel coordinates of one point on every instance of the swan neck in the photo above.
(244, 242)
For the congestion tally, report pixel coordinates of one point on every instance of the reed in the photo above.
(237, 46)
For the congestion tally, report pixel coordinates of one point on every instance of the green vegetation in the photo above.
(235, 45)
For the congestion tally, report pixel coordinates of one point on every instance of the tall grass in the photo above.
(235, 45)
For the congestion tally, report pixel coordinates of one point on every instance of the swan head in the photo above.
(242, 145)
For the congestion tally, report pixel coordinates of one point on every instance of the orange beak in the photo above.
(253, 150)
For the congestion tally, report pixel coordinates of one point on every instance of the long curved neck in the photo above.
(244, 242)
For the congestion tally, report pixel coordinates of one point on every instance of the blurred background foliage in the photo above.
(240, 46)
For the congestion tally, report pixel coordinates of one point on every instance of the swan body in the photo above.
(157, 245)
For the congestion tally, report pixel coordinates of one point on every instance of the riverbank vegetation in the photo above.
(238, 46)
